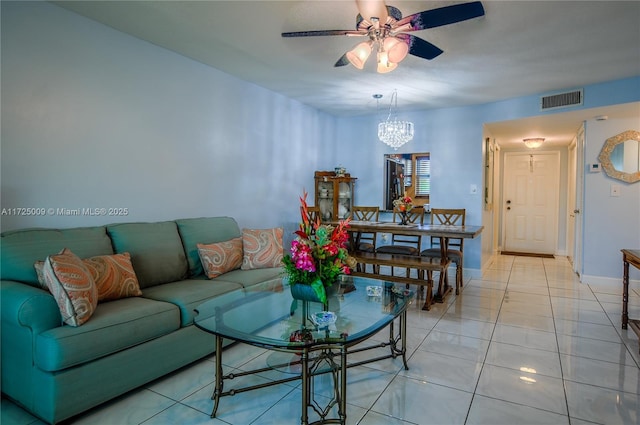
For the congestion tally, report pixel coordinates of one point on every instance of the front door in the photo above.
(531, 188)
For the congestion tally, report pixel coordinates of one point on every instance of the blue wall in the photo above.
(92, 117)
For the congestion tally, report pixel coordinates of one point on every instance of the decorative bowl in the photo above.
(374, 291)
(324, 318)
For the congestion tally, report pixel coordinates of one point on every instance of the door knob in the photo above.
(508, 208)
(508, 201)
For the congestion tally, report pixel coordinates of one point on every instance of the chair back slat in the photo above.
(366, 240)
(414, 216)
(360, 213)
(449, 217)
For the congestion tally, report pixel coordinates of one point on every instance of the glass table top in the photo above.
(262, 314)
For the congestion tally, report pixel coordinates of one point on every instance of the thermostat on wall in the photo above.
(594, 168)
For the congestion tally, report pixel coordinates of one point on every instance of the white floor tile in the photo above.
(587, 330)
(444, 370)
(601, 405)
(529, 389)
(524, 337)
(489, 411)
(601, 374)
(136, 408)
(465, 360)
(456, 346)
(419, 402)
(614, 352)
(524, 359)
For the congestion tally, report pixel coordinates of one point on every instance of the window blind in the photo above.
(423, 175)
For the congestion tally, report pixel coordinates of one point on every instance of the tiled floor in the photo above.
(527, 344)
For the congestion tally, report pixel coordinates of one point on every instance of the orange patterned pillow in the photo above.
(114, 276)
(262, 248)
(221, 257)
(72, 287)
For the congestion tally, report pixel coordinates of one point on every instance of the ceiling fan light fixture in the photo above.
(396, 49)
(384, 65)
(534, 142)
(359, 54)
(372, 9)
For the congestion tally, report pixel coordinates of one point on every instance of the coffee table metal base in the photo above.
(318, 360)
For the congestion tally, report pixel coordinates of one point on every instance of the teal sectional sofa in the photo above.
(56, 371)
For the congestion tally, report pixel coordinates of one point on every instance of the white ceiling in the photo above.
(518, 48)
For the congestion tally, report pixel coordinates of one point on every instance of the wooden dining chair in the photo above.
(405, 244)
(451, 217)
(366, 242)
(313, 214)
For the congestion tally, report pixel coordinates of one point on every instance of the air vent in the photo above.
(561, 100)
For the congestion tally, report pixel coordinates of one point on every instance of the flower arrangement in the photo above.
(403, 204)
(318, 254)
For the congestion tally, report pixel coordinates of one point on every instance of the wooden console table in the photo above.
(629, 257)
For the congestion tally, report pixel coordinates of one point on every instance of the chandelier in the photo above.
(533, 143)
(394, 132)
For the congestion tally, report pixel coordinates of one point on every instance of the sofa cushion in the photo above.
(249, 278)
(114, 326)
(156, 251)
(20, 249)
(206, 230)
(221, 257)
(189, 294)
(262, 248)
(72, 286)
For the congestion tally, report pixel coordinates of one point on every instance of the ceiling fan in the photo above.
(385, 27)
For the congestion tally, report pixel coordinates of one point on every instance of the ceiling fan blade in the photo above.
(343, 61)
(419, 47)
(322, 32)
(442, 16)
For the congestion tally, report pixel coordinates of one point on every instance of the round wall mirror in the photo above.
(620, 156)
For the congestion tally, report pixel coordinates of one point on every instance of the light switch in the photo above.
(615, 190)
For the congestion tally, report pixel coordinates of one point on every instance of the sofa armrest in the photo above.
(25, 306)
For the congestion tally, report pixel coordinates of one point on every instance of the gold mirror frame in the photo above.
(605, 156)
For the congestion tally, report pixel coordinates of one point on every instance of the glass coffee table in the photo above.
(303, 346)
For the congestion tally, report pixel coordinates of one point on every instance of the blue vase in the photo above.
(302, 292)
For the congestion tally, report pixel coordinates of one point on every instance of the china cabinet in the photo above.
(334, 194)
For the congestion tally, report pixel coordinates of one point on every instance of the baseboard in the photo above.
(608, 281)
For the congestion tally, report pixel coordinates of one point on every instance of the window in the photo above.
(423, 175)
(412, 173)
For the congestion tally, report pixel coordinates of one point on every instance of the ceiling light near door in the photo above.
(533, 143)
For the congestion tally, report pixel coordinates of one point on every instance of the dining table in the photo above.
(441, 231)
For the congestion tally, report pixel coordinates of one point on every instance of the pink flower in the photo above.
(302, 257)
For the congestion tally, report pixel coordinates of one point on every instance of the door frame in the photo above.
(579, 200)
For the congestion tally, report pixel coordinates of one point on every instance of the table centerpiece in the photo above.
(318, 257)
(403, 204)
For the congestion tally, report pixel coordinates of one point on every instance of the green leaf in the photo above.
(318, 288)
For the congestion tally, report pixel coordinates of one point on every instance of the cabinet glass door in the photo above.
(325, 199)
(345, 195)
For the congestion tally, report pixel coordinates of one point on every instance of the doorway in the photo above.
(531, 193)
